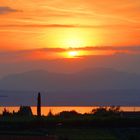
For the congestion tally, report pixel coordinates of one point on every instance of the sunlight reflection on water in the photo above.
(56, 110)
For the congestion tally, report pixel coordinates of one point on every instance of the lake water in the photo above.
(58, 109)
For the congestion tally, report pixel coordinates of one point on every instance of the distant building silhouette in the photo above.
(39, 105)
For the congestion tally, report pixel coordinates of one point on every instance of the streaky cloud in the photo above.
(90, 14)
(68, 26)
(135, 49)
(115, 48)
(6, 10)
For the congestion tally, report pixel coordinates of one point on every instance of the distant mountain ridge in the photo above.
(100, 86)
(88, 80)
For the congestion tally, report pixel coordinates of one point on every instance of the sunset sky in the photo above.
(52, 29)
(32, 24)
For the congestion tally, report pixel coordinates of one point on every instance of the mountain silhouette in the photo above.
(88, 80)
(100, 86)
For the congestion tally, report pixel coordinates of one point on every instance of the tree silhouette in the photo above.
(39, 105)
(104, 111)
(25, 111)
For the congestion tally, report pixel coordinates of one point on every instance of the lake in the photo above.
(58, 109)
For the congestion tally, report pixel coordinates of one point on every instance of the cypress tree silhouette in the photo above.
(39, 105)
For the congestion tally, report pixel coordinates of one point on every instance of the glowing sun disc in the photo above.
(72, 54)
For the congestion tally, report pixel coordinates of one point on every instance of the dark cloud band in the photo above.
(5, 10)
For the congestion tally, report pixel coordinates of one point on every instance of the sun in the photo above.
(73, 53)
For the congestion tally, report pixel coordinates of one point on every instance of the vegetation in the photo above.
(24, 111)
(107, 111)
(103, 123)
(39, 105)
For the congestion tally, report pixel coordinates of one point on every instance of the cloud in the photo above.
(125, 49)
(70, 26)
(6, 9)
(91, 13)
(43, 26)
(109, 50)
(57, 50)
(117, 48)
(31, 54)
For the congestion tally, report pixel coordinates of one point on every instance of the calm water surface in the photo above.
(58, 109)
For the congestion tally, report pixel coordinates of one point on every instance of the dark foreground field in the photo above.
(77, 134)
(11, 137)
(70, 128)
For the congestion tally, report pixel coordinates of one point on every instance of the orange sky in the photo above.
(34, 24)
